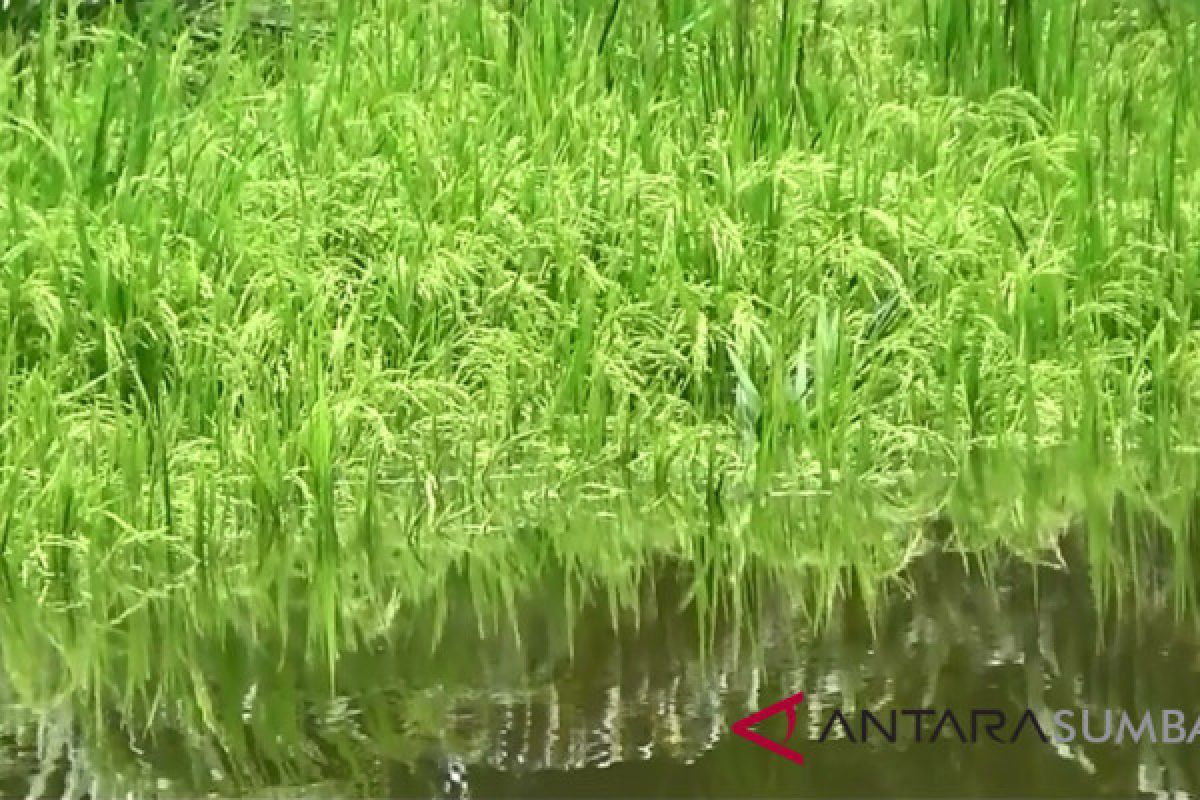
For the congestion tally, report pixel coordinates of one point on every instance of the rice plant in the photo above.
(305, 306)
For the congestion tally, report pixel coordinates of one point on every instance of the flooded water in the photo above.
(561, 693)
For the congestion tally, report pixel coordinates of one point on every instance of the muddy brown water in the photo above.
(556, 696)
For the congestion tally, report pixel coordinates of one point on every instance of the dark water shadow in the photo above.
(562, 690)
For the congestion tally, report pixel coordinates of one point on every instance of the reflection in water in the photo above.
(563, 694)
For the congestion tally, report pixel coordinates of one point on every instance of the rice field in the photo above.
(305, 307)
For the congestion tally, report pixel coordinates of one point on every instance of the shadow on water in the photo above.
(560, 693)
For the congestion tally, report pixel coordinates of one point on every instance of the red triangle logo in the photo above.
(745, 727)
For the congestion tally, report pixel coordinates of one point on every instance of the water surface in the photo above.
(561, 691)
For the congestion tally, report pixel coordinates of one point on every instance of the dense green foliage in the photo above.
(319, 308)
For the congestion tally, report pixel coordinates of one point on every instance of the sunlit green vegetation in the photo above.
(303, 307)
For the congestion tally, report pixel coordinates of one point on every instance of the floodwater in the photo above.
(556, 694)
